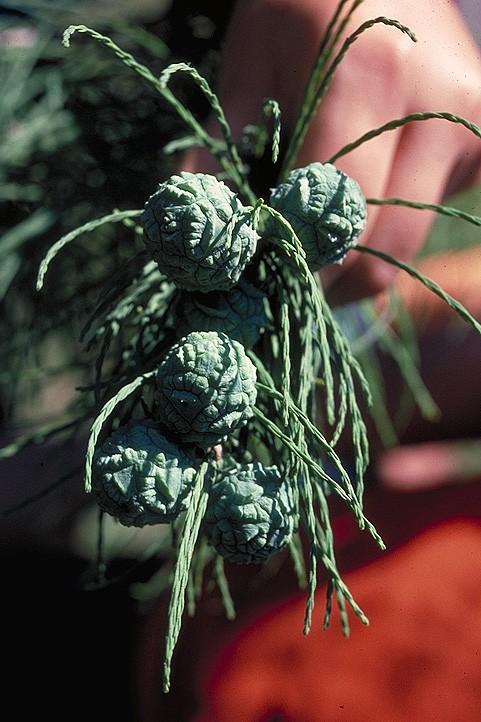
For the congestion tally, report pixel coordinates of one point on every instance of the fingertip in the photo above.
(419, 467)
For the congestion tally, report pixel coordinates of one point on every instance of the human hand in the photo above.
(451, 361)
(269, 50)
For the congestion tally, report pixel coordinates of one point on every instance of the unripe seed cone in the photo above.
(206, 388)
(239, 313)
(326, 209)
(140, 477)
(198, 233)
(251, 514)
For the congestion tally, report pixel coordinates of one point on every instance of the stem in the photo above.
(190, 532)
(312, 106)
(237, 167)
(319, 472)
(105, 412)
(210, 143)
(437, 207)
(399, 122)
(428, 282)
(114, 217)
(325, 51)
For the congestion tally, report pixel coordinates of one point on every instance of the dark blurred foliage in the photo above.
(81, 134)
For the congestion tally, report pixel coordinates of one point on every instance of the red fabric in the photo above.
(420, 659)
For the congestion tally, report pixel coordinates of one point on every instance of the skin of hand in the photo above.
(269, 50)
(451, 361)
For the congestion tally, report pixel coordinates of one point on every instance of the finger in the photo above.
(361, 97)
(269, 50)
(457, 272)
(426, 466)
(419, 172)
(344, 116)
(245, 78)
(258, 42)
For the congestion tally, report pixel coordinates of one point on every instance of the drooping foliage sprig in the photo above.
(257, 429)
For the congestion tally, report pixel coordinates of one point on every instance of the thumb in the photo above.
(268, 51)
(424, 466)
(245, 79)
